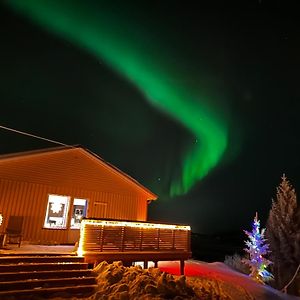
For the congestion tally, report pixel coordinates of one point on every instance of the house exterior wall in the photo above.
(26, 182)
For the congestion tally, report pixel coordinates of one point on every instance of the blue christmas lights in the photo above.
(257, 248)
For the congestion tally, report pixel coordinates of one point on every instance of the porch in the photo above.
(33, 249)
(110, 240)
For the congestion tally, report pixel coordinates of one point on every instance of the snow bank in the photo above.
(208, 281)
(118, 282)
(224, 283)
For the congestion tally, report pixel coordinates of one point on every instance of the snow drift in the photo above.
(203, 281)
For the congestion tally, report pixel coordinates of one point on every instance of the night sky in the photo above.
(199, 104)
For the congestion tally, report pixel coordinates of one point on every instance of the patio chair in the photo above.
(13, 232)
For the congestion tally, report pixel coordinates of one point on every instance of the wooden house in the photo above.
(53, 189)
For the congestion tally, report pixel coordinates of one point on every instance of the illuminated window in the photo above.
(57, 212)
(79, 211)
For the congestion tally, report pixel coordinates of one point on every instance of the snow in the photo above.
(201, 281)
(27, 248)
(224, 281)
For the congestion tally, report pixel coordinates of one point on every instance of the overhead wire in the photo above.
(33, 135)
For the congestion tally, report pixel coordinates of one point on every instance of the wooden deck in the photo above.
(112, 240)
(30, 249)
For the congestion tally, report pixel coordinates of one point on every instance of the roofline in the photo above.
(61, 148)
(37, 151)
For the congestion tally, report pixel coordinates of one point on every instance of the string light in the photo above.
(89, 222)
(257, 248)
(135, 224)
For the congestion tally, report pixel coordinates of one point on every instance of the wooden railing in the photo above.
(121, 236)
(128, 241)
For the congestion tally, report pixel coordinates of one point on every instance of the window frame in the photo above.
(72, 227)
(67, 214)
(65, 217)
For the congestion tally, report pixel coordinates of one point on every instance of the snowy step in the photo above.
(36, 254)
(27, 276)
(78, 291)
(45, 283)
(39, 259)
(22, 267)
(45, 274)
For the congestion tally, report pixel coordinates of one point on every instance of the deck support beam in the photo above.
(182, 263)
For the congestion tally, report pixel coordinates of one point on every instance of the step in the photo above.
(45, 283)
(6, 268)
(37, 254)
(78, 291)
(39, 259)
(45, 274)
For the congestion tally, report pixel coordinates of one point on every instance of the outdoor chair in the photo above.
(13, 232)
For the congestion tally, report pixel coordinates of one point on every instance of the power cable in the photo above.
(34, 136)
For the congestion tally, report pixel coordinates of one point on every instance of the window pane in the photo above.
(79, 211)
(57, 211)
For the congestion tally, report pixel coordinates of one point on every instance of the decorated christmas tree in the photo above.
(257, 248)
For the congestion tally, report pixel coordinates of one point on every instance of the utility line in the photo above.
(34, 136)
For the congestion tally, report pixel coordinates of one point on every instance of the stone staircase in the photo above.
(45, 276)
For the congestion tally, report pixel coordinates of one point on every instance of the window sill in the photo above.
(55, 228)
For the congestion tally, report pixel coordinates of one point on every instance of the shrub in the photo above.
(235, 262)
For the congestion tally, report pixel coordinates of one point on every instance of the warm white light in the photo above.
(90, 222)
(135, 224)
(56, 207)
(1, 219)
(80, 251)
(79, 202)
(57, 211)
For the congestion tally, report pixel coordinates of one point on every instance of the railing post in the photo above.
(101, 237)
(141, 242)
(173, 242)
(188, 241)
(122, 238)
(158, 238)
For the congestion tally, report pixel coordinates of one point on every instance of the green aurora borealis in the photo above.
(146, 62)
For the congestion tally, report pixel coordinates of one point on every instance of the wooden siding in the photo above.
(68, 168)
(27, 180)
(30, 200)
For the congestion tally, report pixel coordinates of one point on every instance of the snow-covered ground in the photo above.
(201, 281)
(226, 281)
(27, 248)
